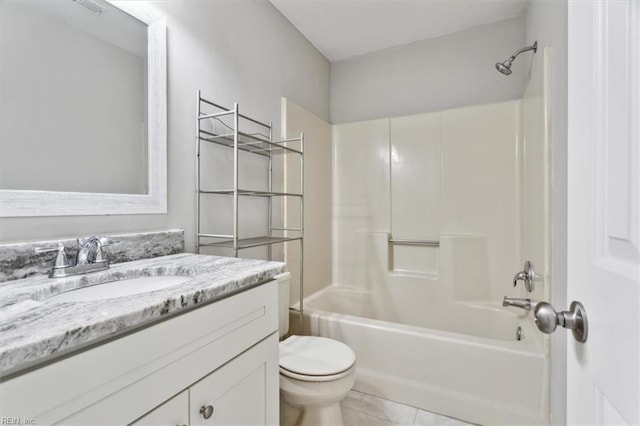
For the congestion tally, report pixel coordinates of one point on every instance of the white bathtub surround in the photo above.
(415, 144)
(18, 260)
(480, 178)
(431, 301)
(317, 206)
(367, 410)
(470, 198)
(426, 322)
(468, 185)
(536, 178)
(33, 331)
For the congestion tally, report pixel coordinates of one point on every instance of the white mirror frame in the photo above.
(14, 203)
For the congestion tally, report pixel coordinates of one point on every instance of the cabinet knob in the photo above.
(206, 411)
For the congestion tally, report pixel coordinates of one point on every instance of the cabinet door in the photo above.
(174, 412)
(242, 392)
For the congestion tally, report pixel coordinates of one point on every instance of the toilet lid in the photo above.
(315, 356)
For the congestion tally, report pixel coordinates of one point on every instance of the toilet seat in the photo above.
(315, 359)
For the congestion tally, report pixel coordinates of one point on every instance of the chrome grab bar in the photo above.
(426, 243)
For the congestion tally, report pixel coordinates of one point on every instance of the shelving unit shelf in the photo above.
(244, 243)
(249, 143)
(260, 143)
(251, 193)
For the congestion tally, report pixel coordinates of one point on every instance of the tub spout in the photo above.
(525, 304)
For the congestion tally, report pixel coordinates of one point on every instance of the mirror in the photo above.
(83, 109)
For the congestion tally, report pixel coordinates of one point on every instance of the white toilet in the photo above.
(316, 373)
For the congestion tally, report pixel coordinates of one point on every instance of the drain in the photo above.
(519, 334)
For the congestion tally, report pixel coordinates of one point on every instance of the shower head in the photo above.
(505, 67)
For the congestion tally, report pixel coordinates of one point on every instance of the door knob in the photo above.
(206, 411)
(575, 319)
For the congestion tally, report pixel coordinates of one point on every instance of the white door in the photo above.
(603, 374)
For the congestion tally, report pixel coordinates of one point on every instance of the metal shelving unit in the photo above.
(258, 143)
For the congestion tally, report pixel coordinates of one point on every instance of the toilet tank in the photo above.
(283, 302)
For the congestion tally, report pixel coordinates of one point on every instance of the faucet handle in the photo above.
(100, 257)
(46, 249)
(103, 242)
(528, 276)
(61, 258)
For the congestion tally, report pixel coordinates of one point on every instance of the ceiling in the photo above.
(341, 29)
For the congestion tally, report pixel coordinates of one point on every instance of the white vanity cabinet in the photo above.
(174, 412)
(223, 355)
(234, 394)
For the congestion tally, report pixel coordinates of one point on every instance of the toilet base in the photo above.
(313, 403)
(329, 415)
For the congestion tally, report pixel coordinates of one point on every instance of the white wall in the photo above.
(445, 72)
(242, 52)
(546, 21)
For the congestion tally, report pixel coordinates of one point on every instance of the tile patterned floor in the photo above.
(360, 409)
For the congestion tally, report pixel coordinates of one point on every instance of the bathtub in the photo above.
(463, 360)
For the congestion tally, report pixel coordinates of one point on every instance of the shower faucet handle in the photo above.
(528, 276)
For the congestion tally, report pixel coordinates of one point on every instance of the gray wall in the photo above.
(450, 71)
(546, 21)
(242, 52)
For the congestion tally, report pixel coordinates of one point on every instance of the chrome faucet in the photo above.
(90, 250)
(525, 304)
(90, 257)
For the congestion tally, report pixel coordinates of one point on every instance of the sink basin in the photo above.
(119, 288)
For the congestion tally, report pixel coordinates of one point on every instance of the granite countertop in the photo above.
(34, 331)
